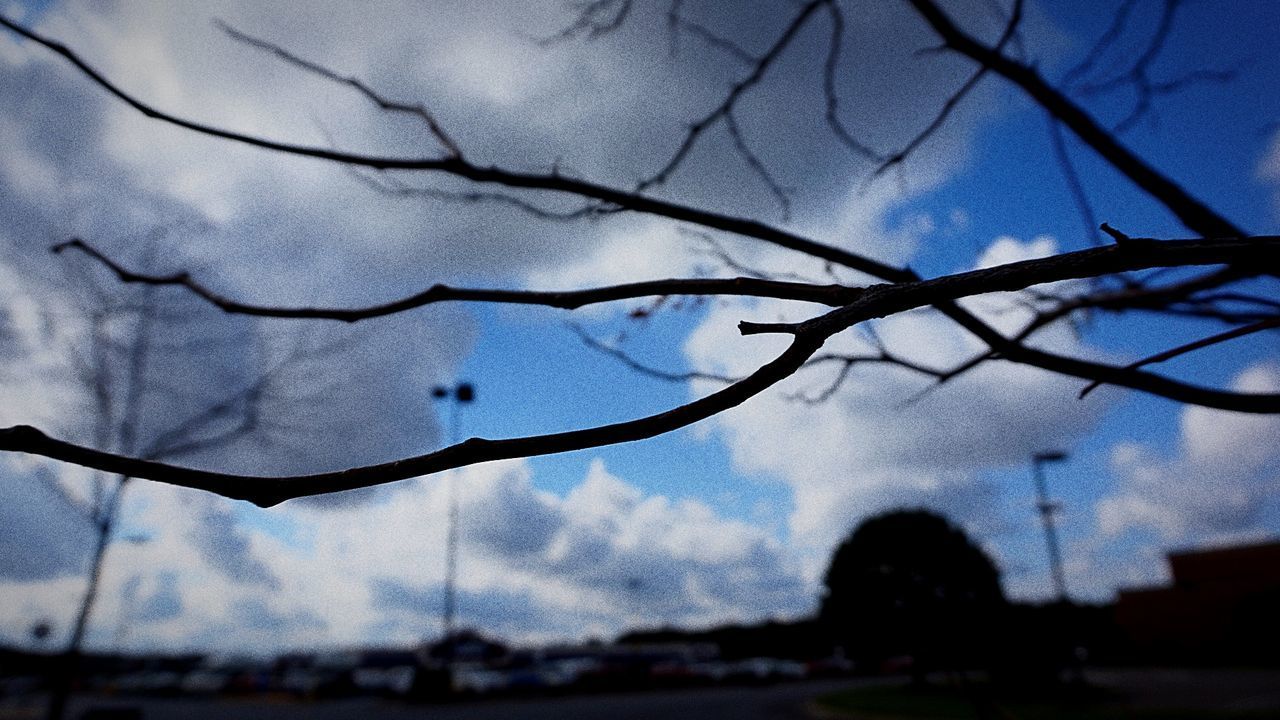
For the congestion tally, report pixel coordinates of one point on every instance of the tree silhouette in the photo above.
(908, 582)
(1222, 292)
(155, 389)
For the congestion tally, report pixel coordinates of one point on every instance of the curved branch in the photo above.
(268, 491)
(392, 187)
(552, 182)
(832, 295)
(952, 102)
(596, 18)
(725, 108)
(634, 364)
(829, 67)
(880, 300)
(419, 111)
(1194, 214)
(807, 338)
(1262, 253)
(1260, 326)
(846, 362)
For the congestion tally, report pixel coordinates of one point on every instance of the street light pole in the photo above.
(1047, 509)
(459, 395)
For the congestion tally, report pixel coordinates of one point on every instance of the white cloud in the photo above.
(866, 448)
(1223, 469)
(43, 530)
(1269, 169)
(533, 565)
(641, 249)
(607, 554)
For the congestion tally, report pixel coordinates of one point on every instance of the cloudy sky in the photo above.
(729, 520)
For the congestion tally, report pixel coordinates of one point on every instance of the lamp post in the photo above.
(459, 395)
(1047, 509)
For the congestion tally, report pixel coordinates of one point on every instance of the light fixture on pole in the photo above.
(458, 396)
(1047, 509)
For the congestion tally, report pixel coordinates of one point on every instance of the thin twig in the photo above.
(419, 111)
(564, 299)
(1268, 324)
(642, 368)
(721, 111)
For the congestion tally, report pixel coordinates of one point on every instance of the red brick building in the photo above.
(1222, 607)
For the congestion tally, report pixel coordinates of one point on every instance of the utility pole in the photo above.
(459, 395)
(1047, 509)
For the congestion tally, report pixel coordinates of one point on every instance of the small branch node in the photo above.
(747, 327)
(1115, 234)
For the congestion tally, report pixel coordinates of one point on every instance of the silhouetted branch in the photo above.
(596, 18)
(419, 111)
(1193, 213)
(807, 338)
(1137, 76)
(906, 292)
(622, 357)
(459, 167)
(950, 104)
(722, 256)
(719, 42)
(1268, 324)
(758, 167)
(1078, 194)
(1105, 41)
(271, 491)
(395, 188)
(847, 363)
(722, 111)
(564, 299)
(829, 68)
(1136, 254)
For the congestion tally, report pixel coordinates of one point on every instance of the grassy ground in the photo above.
(978, 702)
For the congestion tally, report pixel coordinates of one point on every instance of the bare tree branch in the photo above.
(677, 22)
(271, 491)
(564, 299)
(1194, 214)
(393, 187)
(457, 166)
(1135, 254)
(622, 357)
(723, 110)
(847, 363)
(596, 18)
(950, 104)
(807, 338)
(1138, 75)
(906, 292)
(1078, 194)
(1119, 20)
(753, 161)
(712, 247)
(829, 68)
(418, 111)
(1268, 324)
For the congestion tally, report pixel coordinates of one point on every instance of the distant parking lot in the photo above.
(772, 702)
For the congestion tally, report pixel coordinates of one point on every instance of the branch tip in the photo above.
(747, 327)
(1115, 234)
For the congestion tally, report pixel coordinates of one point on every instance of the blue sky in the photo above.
(734, 518)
